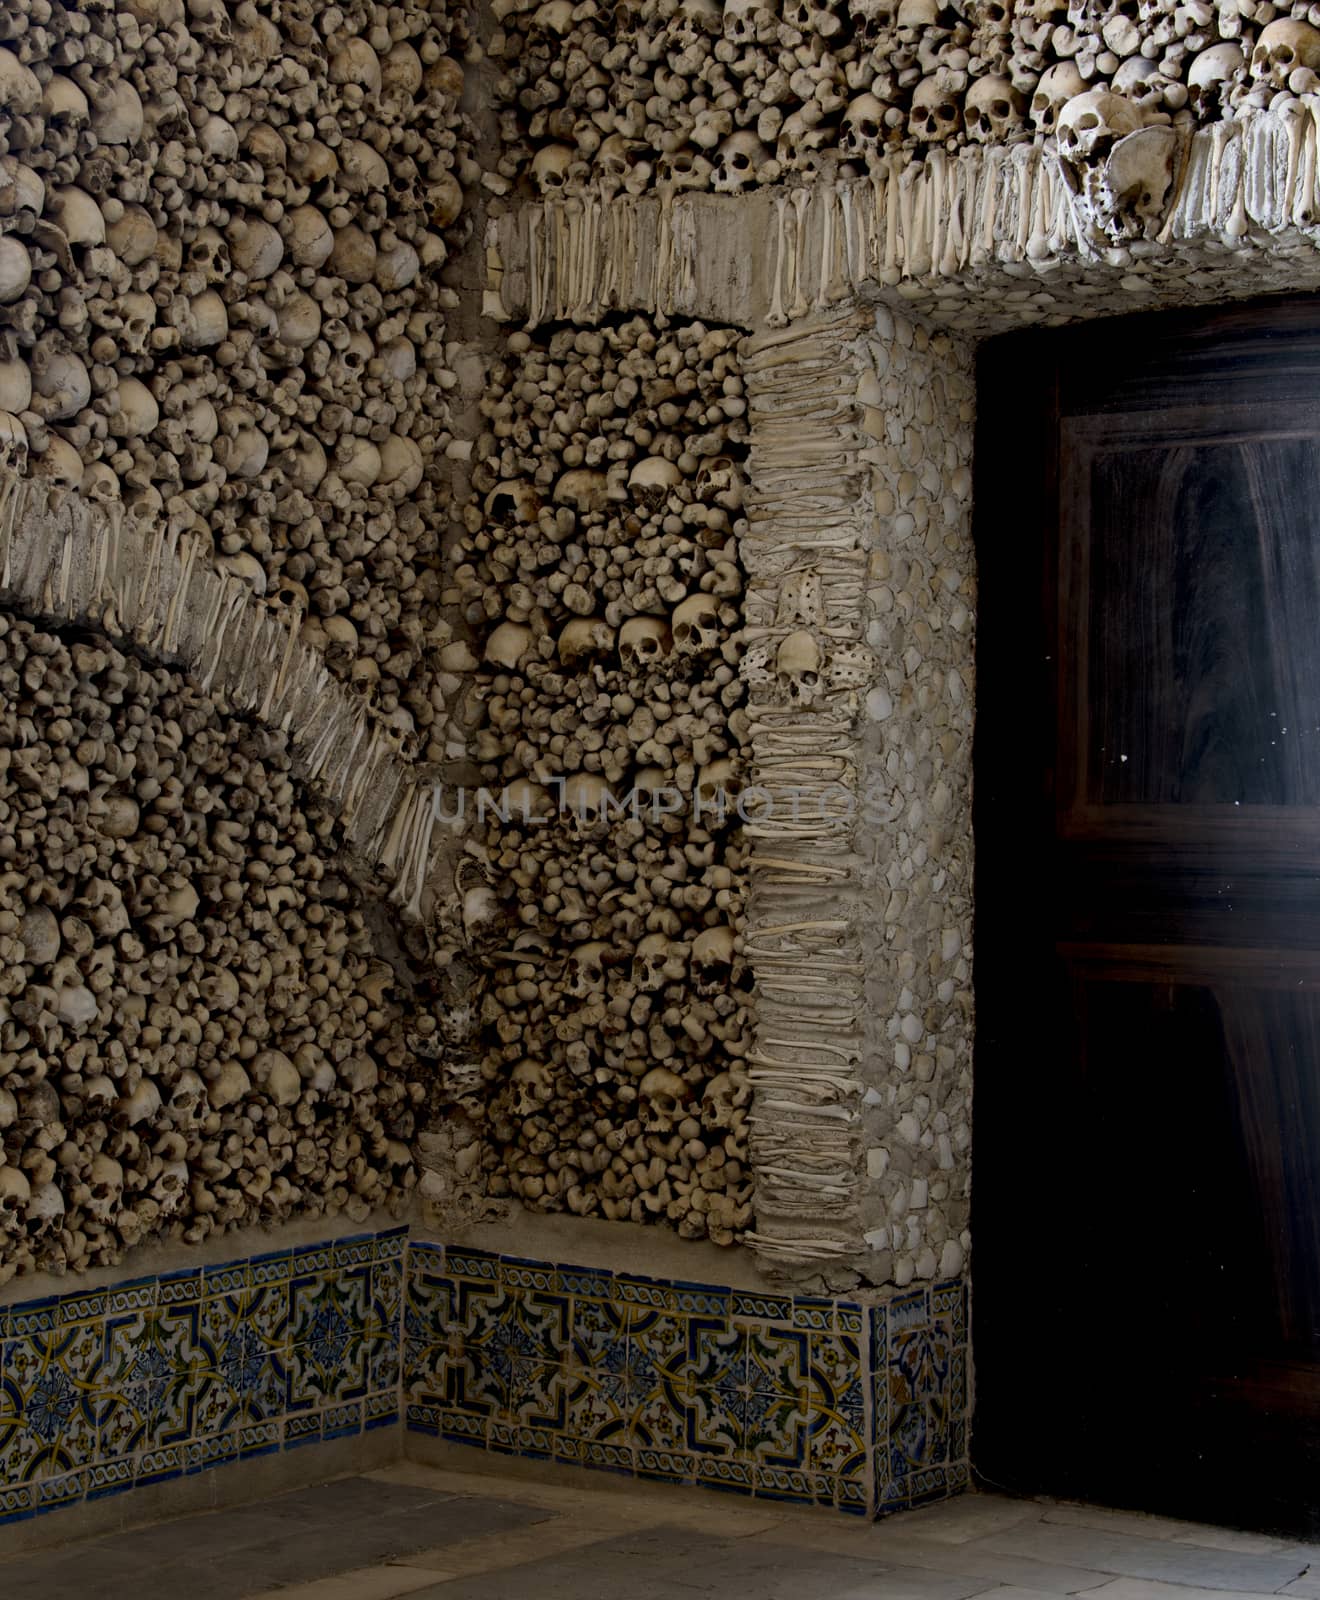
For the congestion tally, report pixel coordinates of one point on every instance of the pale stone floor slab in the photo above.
(441, 1534)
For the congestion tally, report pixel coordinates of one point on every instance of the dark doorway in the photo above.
(1146, 1186)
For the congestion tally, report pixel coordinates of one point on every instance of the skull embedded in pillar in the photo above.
(993, 111)
(798, 665)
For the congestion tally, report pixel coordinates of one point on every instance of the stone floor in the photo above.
(436, 1534)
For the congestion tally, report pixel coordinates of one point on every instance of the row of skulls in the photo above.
(695, 94)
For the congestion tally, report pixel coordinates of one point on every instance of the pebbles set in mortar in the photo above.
(221, 229)
(724, 94)
(602, 577)
(193, 1032)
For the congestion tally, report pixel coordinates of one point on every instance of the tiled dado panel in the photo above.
(795, 1398)
(110, 1389)
(791, 1397)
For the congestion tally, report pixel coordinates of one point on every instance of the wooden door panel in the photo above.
(1148, 847)
(1187, 575)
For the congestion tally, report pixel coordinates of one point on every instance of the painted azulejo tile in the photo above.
(160, 1376)
(926, 1370)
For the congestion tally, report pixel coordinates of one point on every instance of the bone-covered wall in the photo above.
(696, 94)
(222, 234)
(603, 577)
(227, 332)
(589, 552)
(195, 1031)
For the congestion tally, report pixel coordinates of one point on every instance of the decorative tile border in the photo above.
(788, 1397)
(863, 1408)
(152, 1379)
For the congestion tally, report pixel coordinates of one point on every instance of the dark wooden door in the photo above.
(1147, 1159)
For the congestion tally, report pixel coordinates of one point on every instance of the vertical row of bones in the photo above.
(194, 1034)
(723, 94)
(221, 232)
(602, 571)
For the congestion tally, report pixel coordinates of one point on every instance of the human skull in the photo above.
(650, 482)
(584, 637)
(1211, 73)
(747, 22)
(664, 1092)
(712, 960)
(992, 111)
(652, 788)
(863, 128)
(550, 168)
(584, 971)
(717, 784)
(644, 642)
(219, 990)
(718, 476)
(801, 137)
(812, 19)
(586, 795)
(935, 115)
(696, 625)
(1092, 123)
(917, 14)
(105, 1179)
(613, 161)
(656, 961)
(718, 1101)
(586, 491)
(798, 666)
(1142, 82)
(685, 169)
(1282, 48)
(531, 1086)
(15, 1191)
(65, 108)
(1058, 85)
(741, 157)
(513, 501)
